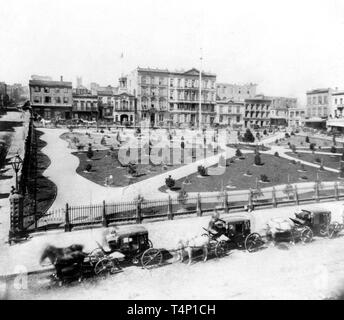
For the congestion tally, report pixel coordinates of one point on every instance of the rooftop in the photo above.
(46, 83)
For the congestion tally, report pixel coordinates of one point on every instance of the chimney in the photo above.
(61, 77)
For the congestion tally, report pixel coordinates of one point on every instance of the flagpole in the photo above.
(200, 94)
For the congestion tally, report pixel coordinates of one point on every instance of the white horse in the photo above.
(189, 245)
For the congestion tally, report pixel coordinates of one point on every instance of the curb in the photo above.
(8, 277)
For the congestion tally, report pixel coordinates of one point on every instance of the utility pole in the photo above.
(200, 94)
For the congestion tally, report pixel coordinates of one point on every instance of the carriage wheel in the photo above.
(253, 241)
(221, 248)
(102, 267)
(306, 235)
(151, 257)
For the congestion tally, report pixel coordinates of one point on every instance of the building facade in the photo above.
(3, 94)
(296, 117)
(236, 92)
(319, 103)
(51, 99)
(257, 112)
(85, 105)
(230, 113)
(172, 97)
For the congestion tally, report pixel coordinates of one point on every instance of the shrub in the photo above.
(276, 154)
(248, 136)
(257, 160)
(287, 135)
(88, 167)
(202, 171)
(265, 132)
(101, 131)
(276, 141)
(80, 147)
(170, 183)
(307, 139)
(264, 178)
(238, 153)
(318, 160)
(132, 168)
(89, 152)
(333, 149)
(312, 146)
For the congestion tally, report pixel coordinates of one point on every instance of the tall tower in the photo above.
(122, 84)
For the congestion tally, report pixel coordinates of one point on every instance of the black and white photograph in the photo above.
(171, 150)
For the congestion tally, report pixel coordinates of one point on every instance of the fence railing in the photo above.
(139, 210)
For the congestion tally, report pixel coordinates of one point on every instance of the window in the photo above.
(37, 99)
(57, 90)
(65, 100)
(341, 100)
(335, 101)
(46, 90)
(57, 99)
(171, 82)
(320, 99)
(47, 99)
(37, 89)
(325, 99)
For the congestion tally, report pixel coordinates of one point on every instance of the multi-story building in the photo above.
(124, 111)
(335, 120)
(17, 92)
(236, 92)
(51, 99)
(279, 109)
(85, 105)
(165, 96)
(296, 117)
(3, 94)
(257, 112)
(319, 103)
(230, 113)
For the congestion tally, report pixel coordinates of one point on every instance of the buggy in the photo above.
(319, 221)
(284, 230)
(237, 230)
(132, 241)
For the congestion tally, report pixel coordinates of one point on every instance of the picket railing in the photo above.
(104, 214)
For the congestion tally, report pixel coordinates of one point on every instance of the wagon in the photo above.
(237, 230)
(319, 221)
(286, 230)
(133, 242)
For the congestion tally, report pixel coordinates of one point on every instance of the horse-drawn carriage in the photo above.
(284, 230)
(127, 244)
(319, 221)
(237, 232)
(133, 242)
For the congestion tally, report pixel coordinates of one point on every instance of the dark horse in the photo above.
(67, 261)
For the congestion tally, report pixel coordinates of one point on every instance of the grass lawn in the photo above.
(46, 189)
(276, 169)
(328, 161)
(300, 143)
(104, 165)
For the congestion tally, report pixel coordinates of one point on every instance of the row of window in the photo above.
(228, 109)
(191, 83)
(48, 99)
(52, 90)
(317, 99)
(237, 118)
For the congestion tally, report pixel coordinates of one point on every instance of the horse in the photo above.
(67, 261)
(191, 244)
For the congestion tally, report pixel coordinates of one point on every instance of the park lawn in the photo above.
(300, 142)
(104, 165)
(277, 170)
(328, 161)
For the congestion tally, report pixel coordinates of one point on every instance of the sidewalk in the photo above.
(164, 234)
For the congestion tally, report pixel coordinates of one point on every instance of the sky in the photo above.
(286, 47)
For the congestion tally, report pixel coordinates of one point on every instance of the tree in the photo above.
(170, 183)
(89, 152)
(333, 149)
(248, 136)
(257, 160)
(307, 139)
(238, 153)
(202, 171)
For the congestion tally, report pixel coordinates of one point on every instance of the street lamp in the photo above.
(16, 163)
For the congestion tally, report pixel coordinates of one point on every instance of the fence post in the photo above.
(274, 200)
(316, 187)
(297, 202)
(104, 220)
(225, 202)
(250, 201)
(68, 226)
(138, 211)
(199, 206)
(169, 208)
(336, 193)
